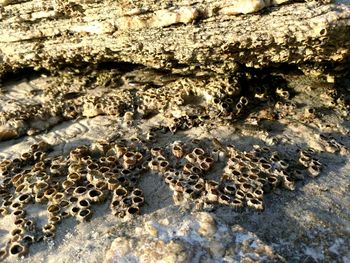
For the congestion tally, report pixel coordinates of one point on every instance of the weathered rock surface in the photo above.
(179, 35)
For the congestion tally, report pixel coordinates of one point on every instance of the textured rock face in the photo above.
(199, 237)
(183, 36)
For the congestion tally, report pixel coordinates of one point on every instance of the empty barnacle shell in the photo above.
(74, 210)
(258, 193)
(104, 169)
(109, 161)
(53, 210)
(239, 107)
(103, 161)
(83, 204)
(273, 181)
(17, 180)
(240, 194)
(112, 183)
(246, 187)
(138, 200)
(188, 167)
(40, 187)
(16, 205)
(64, 203)
(96, 195)
(86, 160)
(101, 185)
(224, 199)
(64, 214)
(120, 150)
(137, 192)
(27, 157)
(58, 197)
(163, 166)
(198, 152)
(3, 253)
(40, 197)
(74, 177)
(129, 163)
(211, 184)
(49, 229)
(283, 164)
(138, 156)
(54, 220)
(230, 189)
(18, 250)
(39, 156)
(255, 203)
(123, 181)
(243, 100)
(132, 211)
(266, 167)
(154, 165)
(177, 150)
(55, 169)
(129, 156)
(237, 203)
(195, 170)
(18, 231)
(305, 161)
(126, 202)
(24, 198)
(191, 158)
(156, 151)
(92, 167)
(7, 204)
(22, 188)
(115, 204)
(120, 193)
(204, 166)
(253, 177)
(75, 155)
(314, 169)
(28, 240)
(169, 178)
(173, 184)
(287, 183)
(49, 193)
(29, 225)
(3, 211)
(84, 215)
(18, 213)
(73, 167)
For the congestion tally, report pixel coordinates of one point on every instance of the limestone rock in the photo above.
(183, 36)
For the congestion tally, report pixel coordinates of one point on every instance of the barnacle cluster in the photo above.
(197, 172)
(246, 178)
(69, 185)
(112, 104)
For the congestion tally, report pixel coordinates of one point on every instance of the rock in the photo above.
(207, 225)
(194, 37)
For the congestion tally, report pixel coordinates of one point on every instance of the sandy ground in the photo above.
(309, 224)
